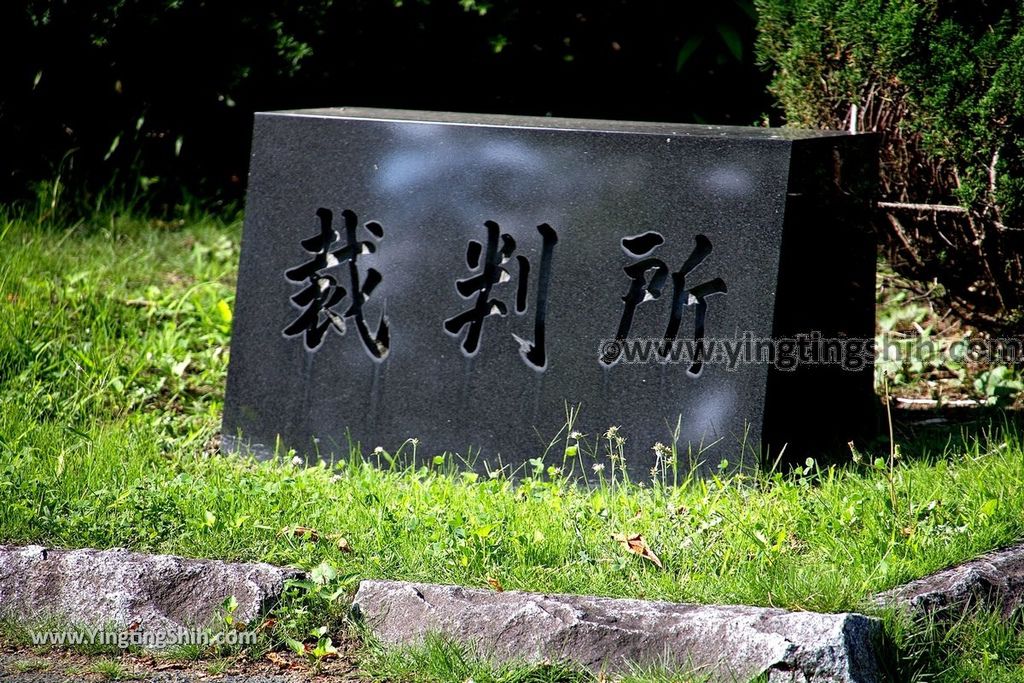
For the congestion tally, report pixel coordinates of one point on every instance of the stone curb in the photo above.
(156, 596)
(724, 643)
(994, 580)
(162, 595)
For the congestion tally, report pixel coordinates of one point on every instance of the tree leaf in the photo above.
(687, 50)
(113, 147)
(732, 40)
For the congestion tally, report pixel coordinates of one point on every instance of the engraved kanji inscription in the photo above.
(489, 259)
(322, 294)
(648, 277)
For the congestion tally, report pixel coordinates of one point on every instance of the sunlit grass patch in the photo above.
(114, 340)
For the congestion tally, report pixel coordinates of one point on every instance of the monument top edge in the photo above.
(555, 123)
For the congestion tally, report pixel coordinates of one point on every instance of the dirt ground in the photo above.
(28, 665)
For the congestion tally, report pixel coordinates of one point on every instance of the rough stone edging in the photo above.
(994, 581)
(154, 596)
(724, 642)
(157, 594)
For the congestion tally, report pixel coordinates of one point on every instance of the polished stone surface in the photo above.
(462, 280)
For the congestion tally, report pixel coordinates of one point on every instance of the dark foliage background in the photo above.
(151, 100)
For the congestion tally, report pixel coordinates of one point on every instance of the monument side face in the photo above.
(465, 281)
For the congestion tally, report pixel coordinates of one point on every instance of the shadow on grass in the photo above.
(932, 433)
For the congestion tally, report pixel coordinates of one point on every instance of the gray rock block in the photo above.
(724, 643)
(430, 238)
(120, 589)
(993, 581)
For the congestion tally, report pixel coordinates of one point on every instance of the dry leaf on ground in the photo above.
(278, 660)
(301, 532)
(638, 546)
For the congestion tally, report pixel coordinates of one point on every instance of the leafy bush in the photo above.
(943, 81)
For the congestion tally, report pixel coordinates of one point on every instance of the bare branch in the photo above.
(898, 228)
(909, 206)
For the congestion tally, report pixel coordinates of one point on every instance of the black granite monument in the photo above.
(465, 280)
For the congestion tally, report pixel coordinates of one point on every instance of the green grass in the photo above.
(982, 647)
(822, 541)
(113, 349)
(111, 670)
(23, 666)
(438, 660)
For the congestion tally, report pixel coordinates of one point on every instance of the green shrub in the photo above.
(943, 82)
